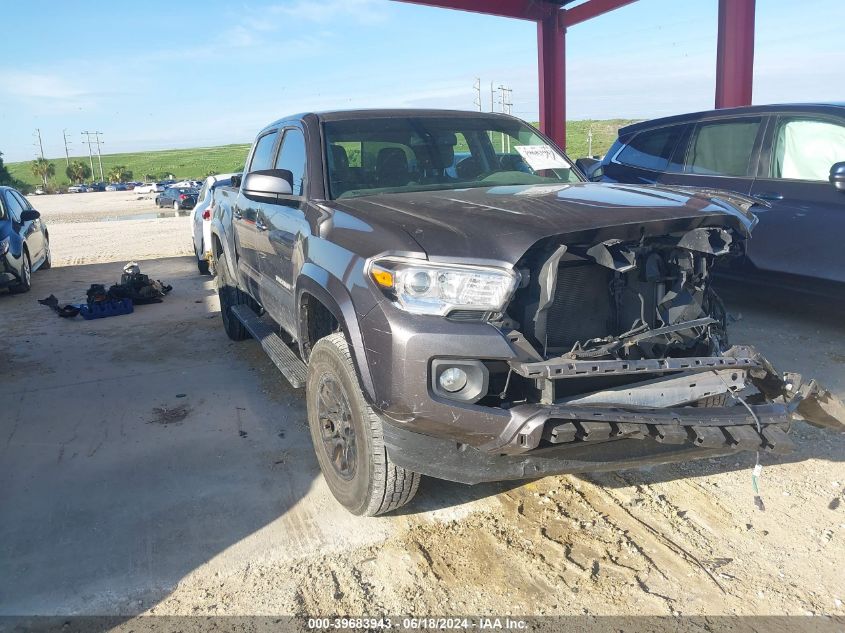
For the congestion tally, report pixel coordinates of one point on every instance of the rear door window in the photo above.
(806, 149)
(262, 157)
(652, 149)
(723, 148)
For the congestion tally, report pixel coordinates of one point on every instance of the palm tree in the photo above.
(119, 173)
(78, 171)
(44, 169)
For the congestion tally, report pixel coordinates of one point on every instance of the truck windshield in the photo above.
(404, 154)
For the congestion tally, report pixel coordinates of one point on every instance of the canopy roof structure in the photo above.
(734, 56)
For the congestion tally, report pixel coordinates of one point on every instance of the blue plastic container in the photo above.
(103, 309)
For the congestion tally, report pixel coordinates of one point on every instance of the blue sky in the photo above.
(164, 74)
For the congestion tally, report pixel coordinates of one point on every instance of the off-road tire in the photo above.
(377, 485)
(230, 295)
(25, 284)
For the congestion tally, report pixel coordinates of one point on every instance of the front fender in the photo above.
(333, 294)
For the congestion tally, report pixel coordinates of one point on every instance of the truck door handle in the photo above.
(769, 195)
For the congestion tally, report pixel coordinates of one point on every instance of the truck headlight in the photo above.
(423, 287)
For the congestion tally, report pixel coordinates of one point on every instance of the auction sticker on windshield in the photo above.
(541, 157)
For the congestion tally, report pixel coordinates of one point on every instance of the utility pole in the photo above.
(491, 96)
(67, 154)
(507, 108)
(507, 104)
(40, 145)
(590, 141)
(41, 153)
(477, 87)
(90, 155)
(99, 156)
(502, 90)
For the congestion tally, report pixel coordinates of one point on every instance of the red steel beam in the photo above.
(735, 53)
(590, 10)
(520, 9)
(551, 48)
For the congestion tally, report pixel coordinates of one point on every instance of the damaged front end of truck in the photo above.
(625, 338)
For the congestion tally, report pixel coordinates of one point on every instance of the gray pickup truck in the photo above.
(459, 303)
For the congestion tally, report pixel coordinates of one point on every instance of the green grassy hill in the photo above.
(182, 163)
(604, 133)
(200, 161)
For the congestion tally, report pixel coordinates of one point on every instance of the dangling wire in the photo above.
(758, 468)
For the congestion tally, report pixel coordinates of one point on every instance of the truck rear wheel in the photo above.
(230, 296)
(347, 435)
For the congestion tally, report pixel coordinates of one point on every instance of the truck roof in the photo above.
(381, 113)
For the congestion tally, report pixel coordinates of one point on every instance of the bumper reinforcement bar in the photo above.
(559, 368)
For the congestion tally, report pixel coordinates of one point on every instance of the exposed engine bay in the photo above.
(629, 339)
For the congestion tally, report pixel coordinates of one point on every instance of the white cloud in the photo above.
(39, 86)
(360, 11)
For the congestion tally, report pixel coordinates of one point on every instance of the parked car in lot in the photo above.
(177, 198)
(509, 321)
(152, 187)
(791, 157)
(116, 186)
(98, 186)
(39, 191)
(24, 241)
(201, 223)
(80, 188)
(193, 184)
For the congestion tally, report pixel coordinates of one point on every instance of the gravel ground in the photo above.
(682, 539)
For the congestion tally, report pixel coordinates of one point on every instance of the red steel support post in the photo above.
(735, 53)
(551, 47)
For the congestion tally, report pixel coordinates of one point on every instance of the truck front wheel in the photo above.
(347, 435)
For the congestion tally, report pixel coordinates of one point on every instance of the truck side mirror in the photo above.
(268, 183)
(837, 176)
(29, 215)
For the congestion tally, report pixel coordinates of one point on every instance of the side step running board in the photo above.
(291, 366)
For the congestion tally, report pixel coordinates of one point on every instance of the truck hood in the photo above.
(501, 223)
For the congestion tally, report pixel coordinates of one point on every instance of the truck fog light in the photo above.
(462, 380)
(453, 379)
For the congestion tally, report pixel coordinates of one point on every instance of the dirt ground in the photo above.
(151, 466)
(111, 226)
